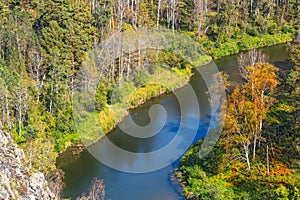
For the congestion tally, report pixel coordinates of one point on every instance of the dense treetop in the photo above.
(44, 43)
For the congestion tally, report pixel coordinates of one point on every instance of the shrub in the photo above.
(286, 28)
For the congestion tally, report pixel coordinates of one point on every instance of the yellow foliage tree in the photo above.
(247, 108)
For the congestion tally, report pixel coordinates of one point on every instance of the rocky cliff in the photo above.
(16, 180)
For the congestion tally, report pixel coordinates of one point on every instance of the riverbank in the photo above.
(243, 43)
(168, 80)
(160, 82)
(223, 174)
(114, 179)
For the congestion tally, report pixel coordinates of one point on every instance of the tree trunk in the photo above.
(199, 15)
(246, 149)
(254, 147)
(268, 166)
(206, 10)
(7, 112)
(128, 67)
(20, 116)
(158, 13)
(51, 91)
(173, 11)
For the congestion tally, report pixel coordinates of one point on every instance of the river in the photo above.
(158, 185)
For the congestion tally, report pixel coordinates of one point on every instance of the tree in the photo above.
(285, 116)
(8, 81)
(249, 59)
(247, 109)
(20, 101)
(173, 6)
(97, 191)
(42, 155)
(103, 14)
(158, 13)
(294, 50)
(5, 110)
(198, 4)
(37, 70)
(65, 31)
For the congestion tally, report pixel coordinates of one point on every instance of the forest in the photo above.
(257, 155)
(43, 45)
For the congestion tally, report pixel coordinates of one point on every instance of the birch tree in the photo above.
(158, 13)
(173, 5)
(20, 99)
(199, 15)
(36, 69)
(247, 108)
(5, 110)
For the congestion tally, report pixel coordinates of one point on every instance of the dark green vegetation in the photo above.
(257, 156)
(43, 44)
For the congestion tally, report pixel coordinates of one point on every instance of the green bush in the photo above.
(106, 120)
(252, 31)
(245, 42)
(287, 28)
(140, 77)
(271, 27)
(141, 95)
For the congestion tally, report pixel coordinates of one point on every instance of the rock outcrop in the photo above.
(16, 180)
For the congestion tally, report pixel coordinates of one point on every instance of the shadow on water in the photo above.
(157, 185)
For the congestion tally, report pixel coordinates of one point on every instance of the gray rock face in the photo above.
(16, 181)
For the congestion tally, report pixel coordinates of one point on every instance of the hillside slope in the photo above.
(16, 181)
